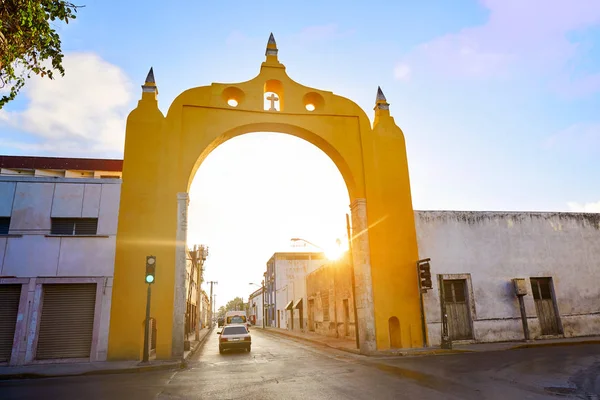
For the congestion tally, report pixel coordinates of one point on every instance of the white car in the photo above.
(234, 337)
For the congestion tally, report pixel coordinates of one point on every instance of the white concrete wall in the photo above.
(257, 301)
(289, 269)
(30, 251)
(491, 248)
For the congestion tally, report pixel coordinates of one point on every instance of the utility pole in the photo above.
(214, 304)
(211, 300)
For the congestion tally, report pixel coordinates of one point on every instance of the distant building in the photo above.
(58, 225)
(256, 308)
(282, 269)
(204, 309)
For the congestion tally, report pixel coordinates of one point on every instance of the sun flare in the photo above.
(335, 252)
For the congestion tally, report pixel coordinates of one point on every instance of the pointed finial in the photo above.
(380, 101)
(149, 85)
(380, 95)
(150, 77)
(271, 46)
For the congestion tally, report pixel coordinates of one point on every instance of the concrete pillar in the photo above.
(361, 258)
(177, 346)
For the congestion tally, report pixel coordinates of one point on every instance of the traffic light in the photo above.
(425, 275)
(150, 268)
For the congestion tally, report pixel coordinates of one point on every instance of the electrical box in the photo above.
(520, 285)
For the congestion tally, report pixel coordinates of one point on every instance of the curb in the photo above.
(134, 370)
(434, 352)
(431, 352)
(553, 344)
(200, 344)
(353, 351)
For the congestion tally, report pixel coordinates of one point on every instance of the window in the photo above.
(234, 330)
(325, 305)
(4, 225)
(74, 226)
(454, 291)
(236, 319)
(541, 288)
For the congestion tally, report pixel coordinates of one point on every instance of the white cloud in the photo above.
(519, 36)
(402, 72)
(83, 112)
(587, 207)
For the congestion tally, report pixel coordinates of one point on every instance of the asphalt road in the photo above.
(282, 368)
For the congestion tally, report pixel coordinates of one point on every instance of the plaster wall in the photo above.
(489, 249)
(29, 251)
(288, 267)
(332, 281)
(256, 307)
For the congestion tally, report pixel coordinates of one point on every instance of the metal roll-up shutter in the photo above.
(67, 321)
(9, 308)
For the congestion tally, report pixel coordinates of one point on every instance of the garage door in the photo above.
(9, 307)
(67, 321)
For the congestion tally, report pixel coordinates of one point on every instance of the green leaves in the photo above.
(29, 43)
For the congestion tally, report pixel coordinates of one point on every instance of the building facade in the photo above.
(58, 226)
(58, 223)
(283, 268)
(328, 302)
(256, 307)
(477, 254)
(204, 310)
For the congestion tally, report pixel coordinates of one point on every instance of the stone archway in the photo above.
(162, 155)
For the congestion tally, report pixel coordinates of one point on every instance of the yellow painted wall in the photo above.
(163, 154)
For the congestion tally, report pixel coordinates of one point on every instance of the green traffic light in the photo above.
(149, 278)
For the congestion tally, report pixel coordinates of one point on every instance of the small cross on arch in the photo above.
(272, 102)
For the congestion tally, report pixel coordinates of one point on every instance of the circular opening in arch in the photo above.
(313, 101)
(233, 96)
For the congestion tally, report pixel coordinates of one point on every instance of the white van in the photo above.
(236, 318)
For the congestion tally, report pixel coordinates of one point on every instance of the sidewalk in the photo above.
(350, 346)
(100, 367)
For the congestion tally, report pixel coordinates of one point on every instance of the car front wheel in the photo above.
(249, 347)
(220, 350)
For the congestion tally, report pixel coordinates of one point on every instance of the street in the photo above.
(282, 368)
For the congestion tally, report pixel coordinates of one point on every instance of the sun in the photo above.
(335, 252)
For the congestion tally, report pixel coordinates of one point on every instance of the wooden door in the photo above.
(346, 318)
(457, 308)
(311, 315)
(545, 305)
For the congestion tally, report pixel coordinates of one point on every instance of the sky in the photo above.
(498, 99)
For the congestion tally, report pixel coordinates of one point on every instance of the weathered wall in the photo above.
(491, 248)
(328, 287)
(31, 256)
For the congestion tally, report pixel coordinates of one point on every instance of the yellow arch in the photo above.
(162, 155)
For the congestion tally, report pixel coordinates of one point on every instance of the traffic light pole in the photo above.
(423, 324)
(146, 354)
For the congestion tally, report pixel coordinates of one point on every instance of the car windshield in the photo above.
(234, 330)
(236, 319)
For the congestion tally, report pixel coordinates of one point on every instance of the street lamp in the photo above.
(263, 300)
(306, 241)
